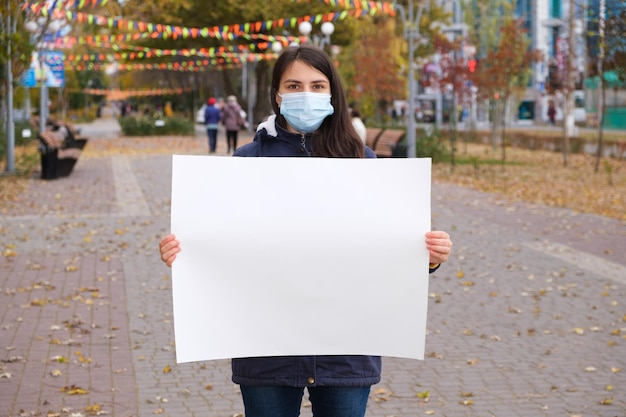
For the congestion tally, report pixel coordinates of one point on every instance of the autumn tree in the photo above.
(454, 75)
(372, 67)
(608, 57)
(569, 83)
(15, 51)
(503, 73)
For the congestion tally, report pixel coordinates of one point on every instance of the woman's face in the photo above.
(300, 77)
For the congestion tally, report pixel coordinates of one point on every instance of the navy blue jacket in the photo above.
(273, 140)
(299, 371)
(212, 115)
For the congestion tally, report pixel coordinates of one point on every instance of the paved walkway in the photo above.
(527, 319)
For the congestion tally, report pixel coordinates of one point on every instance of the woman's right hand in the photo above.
(169, 247)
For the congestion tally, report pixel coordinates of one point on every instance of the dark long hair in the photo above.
(336, 136)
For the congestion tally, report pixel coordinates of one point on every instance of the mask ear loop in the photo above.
(279, 102)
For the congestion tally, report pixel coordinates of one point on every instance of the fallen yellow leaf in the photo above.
(94, 409)
(423, 395)
(38, 302)
(74, 390)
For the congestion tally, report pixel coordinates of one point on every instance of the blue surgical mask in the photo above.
(305, 111)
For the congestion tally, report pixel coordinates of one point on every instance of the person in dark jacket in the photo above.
(212, 117)
(312, 119)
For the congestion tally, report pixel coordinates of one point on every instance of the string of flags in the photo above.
(220, 58)
(224, 32)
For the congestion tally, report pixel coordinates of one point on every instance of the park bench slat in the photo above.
(371, 135)
(387, 142)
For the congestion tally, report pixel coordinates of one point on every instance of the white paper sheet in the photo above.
(300, 256)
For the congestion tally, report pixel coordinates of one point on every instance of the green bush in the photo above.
(148, 126)
(428, 144)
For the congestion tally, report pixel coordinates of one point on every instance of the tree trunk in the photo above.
(454, 127)
(601, 110)
(505, 111)
(495, 124)
(568, 123)
(262, 107)
(602, 90)
(570, 84)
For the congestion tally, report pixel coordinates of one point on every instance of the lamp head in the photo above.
(277, 47)
(31, 26)
(305, 28)
(327, 28)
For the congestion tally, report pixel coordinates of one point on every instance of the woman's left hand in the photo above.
(439, 246)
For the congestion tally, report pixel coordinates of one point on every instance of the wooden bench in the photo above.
(371, 135)
(60, 149)
(387, 141)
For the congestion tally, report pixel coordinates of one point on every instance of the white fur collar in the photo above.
(269, 125)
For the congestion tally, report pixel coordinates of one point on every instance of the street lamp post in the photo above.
(410, 21)
(247, 93)
(10, 148)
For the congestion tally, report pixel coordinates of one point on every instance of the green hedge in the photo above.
(428, 144)
(149, 126)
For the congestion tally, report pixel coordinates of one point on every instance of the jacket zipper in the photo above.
(303, 144)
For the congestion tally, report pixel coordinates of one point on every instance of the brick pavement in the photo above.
(527, 319)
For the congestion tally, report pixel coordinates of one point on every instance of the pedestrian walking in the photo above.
(212, 117)
(232, 120)
(311, 118)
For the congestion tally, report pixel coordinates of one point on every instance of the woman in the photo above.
(312, 119)
(231, 117)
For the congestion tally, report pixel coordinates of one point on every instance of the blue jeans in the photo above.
(212, 133)
(286, 401)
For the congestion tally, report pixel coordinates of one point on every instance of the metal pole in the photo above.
(10, 125)
(410, 134)
(601, 31)
(251, 95)
(244, 79)
(439, 108)
(42, 95)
